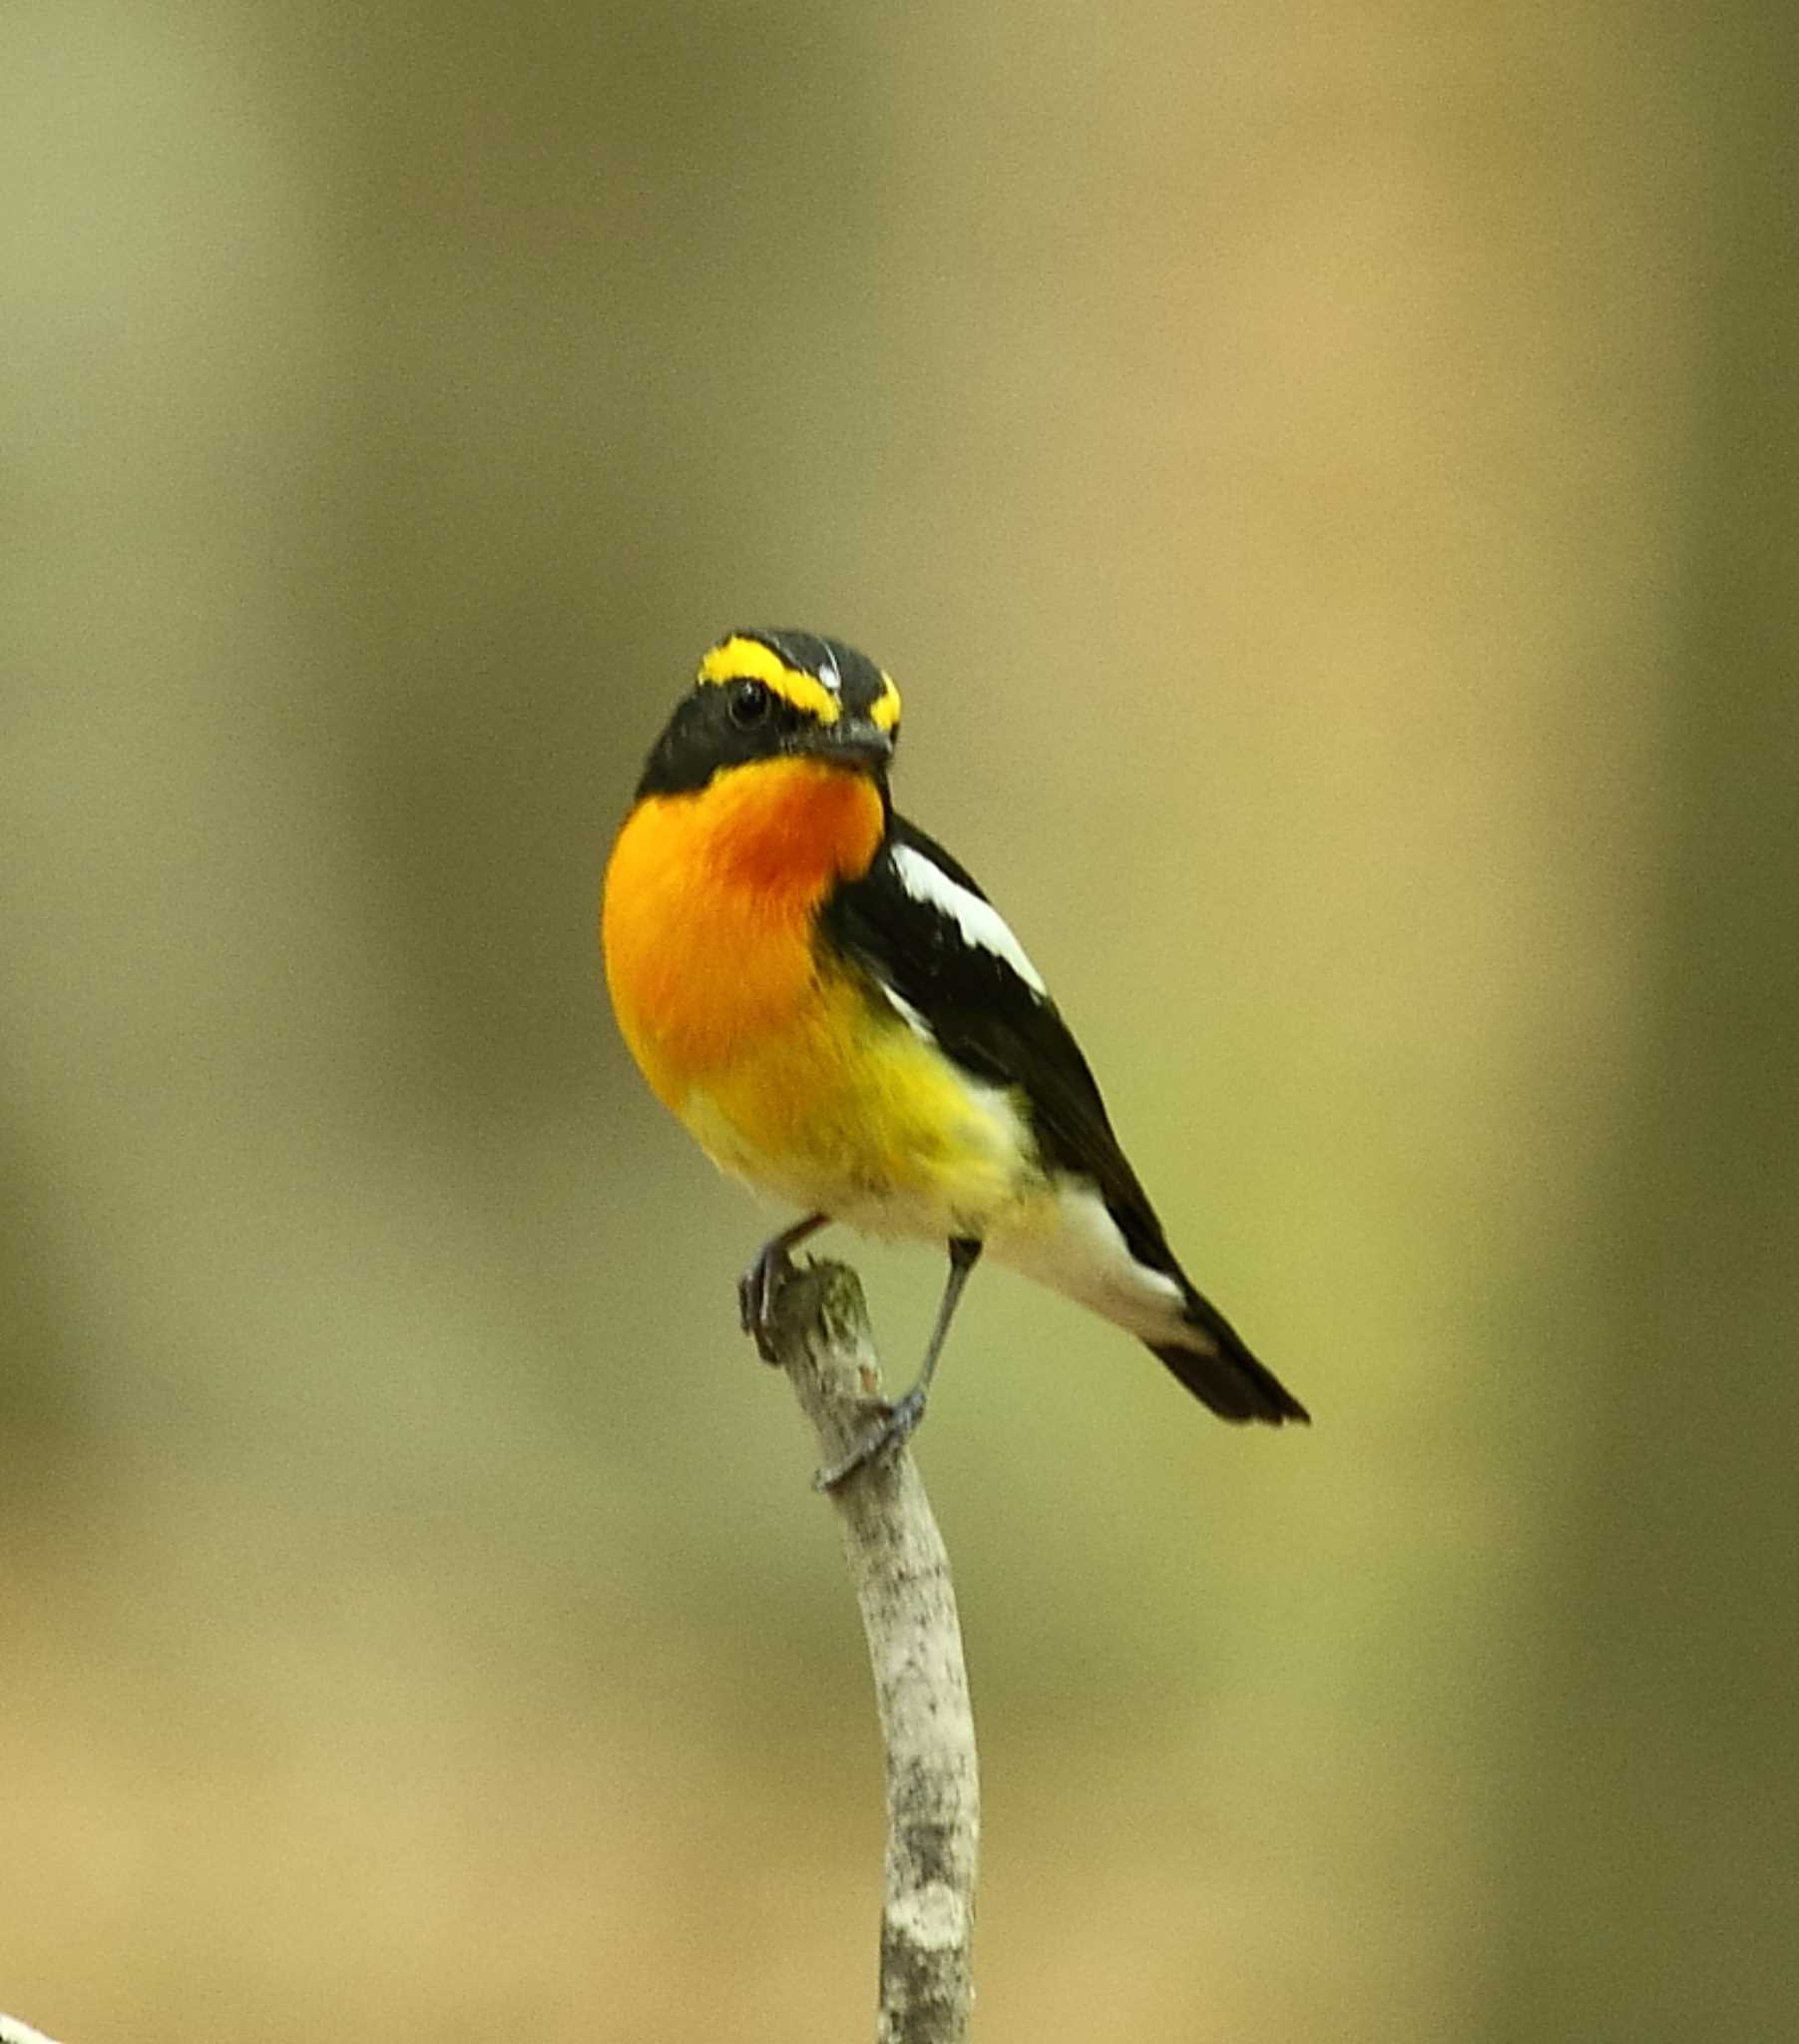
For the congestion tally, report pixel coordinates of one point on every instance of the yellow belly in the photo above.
(850, 1113)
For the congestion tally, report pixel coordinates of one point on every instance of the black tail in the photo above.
(1221, 1373)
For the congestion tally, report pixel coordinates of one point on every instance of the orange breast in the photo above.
(707, 920)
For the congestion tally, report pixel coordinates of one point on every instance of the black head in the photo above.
(767, 695)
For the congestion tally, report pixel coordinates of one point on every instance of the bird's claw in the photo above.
(894, 1424)
(758, 1289)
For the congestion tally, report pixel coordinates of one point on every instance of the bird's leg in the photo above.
(900, 1418)
(759, 1286)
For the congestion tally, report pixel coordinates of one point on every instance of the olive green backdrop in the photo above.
(1323, 481)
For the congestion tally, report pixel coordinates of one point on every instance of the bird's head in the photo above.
(777, 695)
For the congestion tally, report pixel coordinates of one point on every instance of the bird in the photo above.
(840, 1017)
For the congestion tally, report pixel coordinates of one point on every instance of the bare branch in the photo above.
(902, 1579)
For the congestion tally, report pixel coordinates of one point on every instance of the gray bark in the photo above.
(902, 1580)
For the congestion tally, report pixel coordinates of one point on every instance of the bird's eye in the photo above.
(749, 704)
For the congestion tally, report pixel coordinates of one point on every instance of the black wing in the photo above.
(991, 1020)
(994, 1021)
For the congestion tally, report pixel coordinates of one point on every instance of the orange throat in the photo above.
(710, 901)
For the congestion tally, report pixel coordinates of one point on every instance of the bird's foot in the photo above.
(893, 1424)
(759, 1292)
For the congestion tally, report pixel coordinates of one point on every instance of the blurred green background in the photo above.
(1322, 479)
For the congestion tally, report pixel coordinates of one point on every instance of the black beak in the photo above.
(851, 742)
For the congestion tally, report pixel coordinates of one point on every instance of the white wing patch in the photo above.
(913, 1019)
(980, 922)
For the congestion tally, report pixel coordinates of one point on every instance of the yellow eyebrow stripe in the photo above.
(749, 659)
(886, 711)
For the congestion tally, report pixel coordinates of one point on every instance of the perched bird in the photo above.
(838, 1015)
